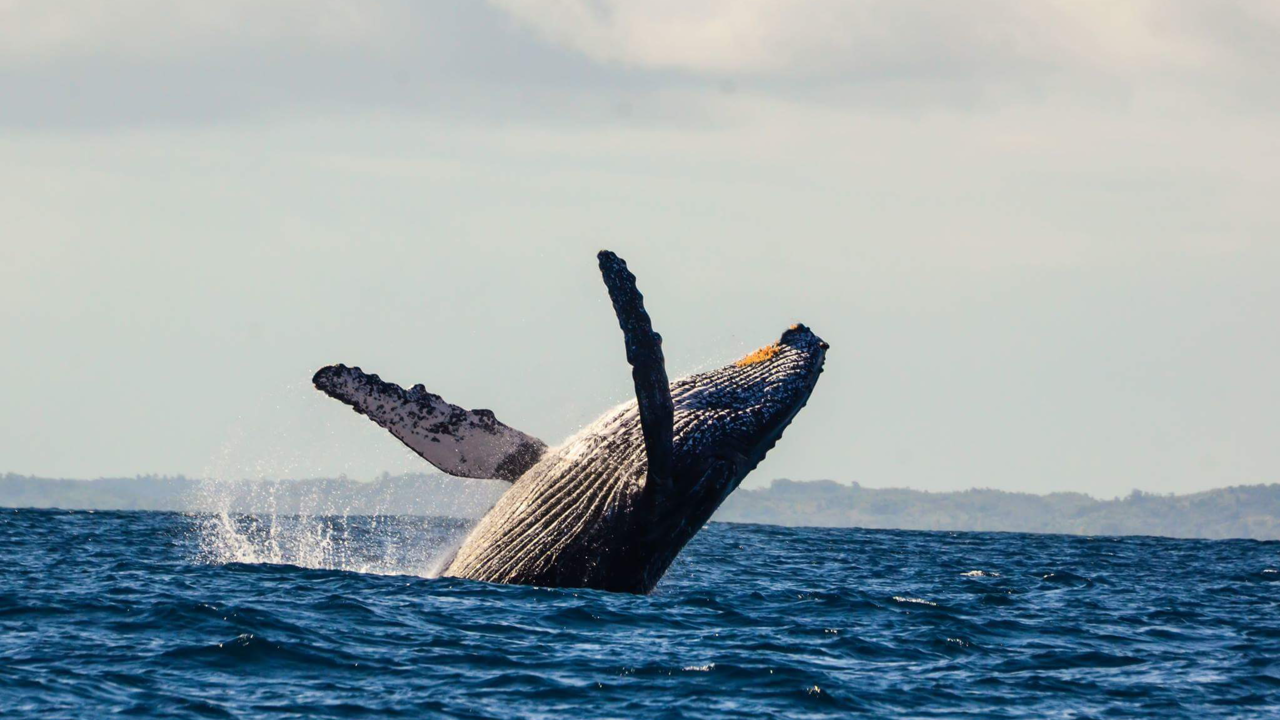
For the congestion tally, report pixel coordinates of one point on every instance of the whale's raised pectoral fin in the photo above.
(465, 443)
(648, 367)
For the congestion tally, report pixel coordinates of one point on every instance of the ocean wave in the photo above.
(142, 614)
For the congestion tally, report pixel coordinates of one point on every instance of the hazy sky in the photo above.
(1043, 239)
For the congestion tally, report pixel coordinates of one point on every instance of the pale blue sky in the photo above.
(1041, 238)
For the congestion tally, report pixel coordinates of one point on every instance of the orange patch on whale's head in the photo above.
(760, 355)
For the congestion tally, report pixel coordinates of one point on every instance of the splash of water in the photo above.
(321, 525)
(405, 525)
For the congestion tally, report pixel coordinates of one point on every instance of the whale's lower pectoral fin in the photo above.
(465, 443)
(648, 367)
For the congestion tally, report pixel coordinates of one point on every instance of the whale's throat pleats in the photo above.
(568, 522)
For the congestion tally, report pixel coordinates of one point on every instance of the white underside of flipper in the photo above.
(465, 443)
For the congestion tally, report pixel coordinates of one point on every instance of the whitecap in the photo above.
(915, 601)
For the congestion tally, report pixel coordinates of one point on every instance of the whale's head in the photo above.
(732, 416)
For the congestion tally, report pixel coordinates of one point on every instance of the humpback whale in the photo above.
(612, 506)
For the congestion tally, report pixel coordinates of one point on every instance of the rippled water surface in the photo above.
(162, 615)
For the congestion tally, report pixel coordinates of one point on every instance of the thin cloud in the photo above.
(822, 37)
(37, 31)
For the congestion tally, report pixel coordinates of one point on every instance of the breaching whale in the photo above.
(613, 505)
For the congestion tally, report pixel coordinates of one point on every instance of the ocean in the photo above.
(166, 615)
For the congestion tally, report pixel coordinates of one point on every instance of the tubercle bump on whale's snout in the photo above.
(800, 335)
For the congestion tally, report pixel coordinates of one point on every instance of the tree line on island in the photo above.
(1245, 511)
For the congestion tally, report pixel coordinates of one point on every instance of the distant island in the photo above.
(1245, 511)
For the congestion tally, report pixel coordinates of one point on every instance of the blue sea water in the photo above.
(166, 615)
